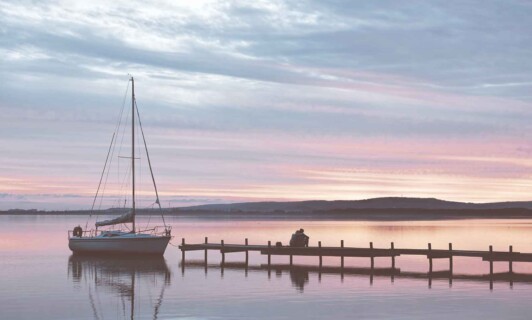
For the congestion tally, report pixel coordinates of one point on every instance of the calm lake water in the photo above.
(40, 279)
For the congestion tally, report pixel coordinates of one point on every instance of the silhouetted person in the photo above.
(299, 239)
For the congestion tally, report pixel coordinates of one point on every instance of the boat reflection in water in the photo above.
(120, 276)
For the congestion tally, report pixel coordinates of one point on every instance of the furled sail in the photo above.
(126, 217)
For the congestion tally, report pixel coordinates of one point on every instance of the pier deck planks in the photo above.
(360, 252)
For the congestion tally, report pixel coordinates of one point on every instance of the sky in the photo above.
(269, 100)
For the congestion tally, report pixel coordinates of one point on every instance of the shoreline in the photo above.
(348, 214)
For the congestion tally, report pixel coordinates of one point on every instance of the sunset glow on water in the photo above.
(35, 259)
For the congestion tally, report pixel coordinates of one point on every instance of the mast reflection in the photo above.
(120, 276)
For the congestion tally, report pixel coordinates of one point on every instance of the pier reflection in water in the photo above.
(299, 274)
(120, 276)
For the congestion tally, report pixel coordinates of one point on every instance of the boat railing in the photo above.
(156, 231)
(84, 233)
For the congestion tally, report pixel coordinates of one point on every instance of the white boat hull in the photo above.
(155, 245)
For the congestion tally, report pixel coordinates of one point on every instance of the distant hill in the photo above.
(342, 205)
(390, 208)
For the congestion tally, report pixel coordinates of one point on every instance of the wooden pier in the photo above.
(370, 252)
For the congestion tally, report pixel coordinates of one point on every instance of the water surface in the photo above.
(40, 279)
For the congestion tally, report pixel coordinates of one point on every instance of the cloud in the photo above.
(240, 97)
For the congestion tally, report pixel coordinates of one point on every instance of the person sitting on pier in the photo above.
(299, 239)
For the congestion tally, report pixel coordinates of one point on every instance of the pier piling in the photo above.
(430, 258)
(247, 252)
(321, 259)
(392, 247)
(491, 260)
(393, 255)
(372, 258)
(183, 252)
(223, 253)
(205, 253)
(510, 267)
(451, 258)
(342, 258)
(450, 264)
(269, 253)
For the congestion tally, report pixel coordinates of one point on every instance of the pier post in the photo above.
(269, 253)
(450, 264)
(393, 256)
(451, 258)
(491, 260)
(430, 258)
(393, 261)
(247, 252)
(491, 267)
(319, 271)
(510, 268)
(342, 258)
(183, 256)
(205, 253)
(223, 253)
(430, 265)
(372, 258)
(291, 260)
(183, 250)
(269, 260)
(321, 258)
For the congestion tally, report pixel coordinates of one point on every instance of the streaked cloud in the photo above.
(270, 99)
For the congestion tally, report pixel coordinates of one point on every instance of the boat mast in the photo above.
(133, 147)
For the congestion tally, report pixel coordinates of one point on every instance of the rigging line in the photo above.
(117, 130)
(123, 134)
(121, 141)
(105, 182)
(113, 145)
(139, 168)
(158, 304)
(122, 111)
(174, 245)
(93, 306)
(125, 184)
(149, 164)
(123, 307)
(149, 217)
(100, 183)
(117, 127)
(120, 148)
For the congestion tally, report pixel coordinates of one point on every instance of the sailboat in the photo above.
(123, 240)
